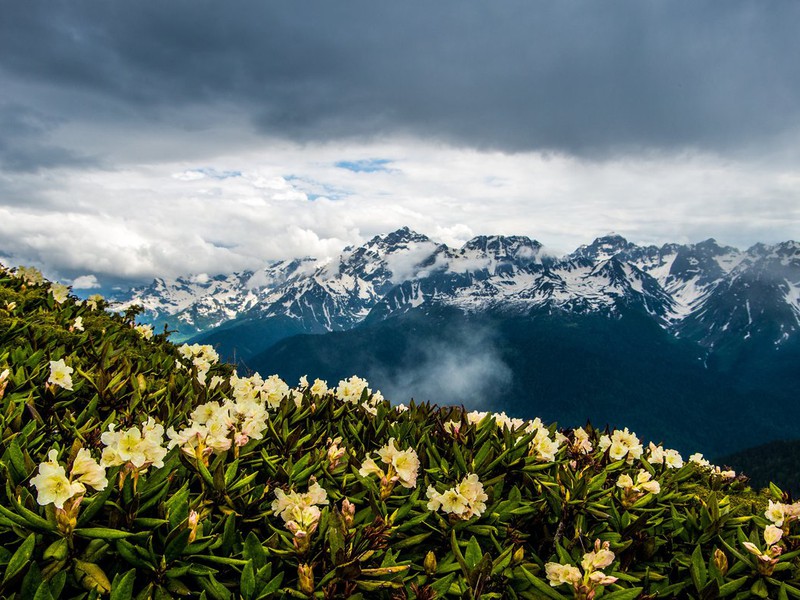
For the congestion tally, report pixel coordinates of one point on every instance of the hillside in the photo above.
(134, 468)
(625, 371)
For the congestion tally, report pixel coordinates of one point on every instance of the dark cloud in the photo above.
(589, 78)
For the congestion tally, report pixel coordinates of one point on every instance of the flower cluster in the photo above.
(465, 500)
(781, 514)
(201, 356)
(355, 390)
(622, 444)
(580, 443)
(252, 389)
(146, 331)
(94, 301)
(215, 427)
(60, 374)
(30, 275)
(135, 448)
(697, 459)
(300, 512)
(632, 491)
(335, 452)
(660, 456)
(401, 466)
(53, 486)
(543, 447)
(584, 584)
(767, 558)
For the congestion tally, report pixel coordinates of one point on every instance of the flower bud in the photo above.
(348, 512)
(305, 575)
(430, 563)
(721, 561)
(519, 555)
(194, 519)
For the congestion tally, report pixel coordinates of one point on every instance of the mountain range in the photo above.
(710, 331)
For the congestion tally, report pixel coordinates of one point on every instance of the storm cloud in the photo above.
(575, 77)
(162, 138)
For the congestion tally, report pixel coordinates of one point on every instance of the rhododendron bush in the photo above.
(134, 468)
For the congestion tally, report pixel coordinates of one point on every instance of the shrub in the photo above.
(136, 469)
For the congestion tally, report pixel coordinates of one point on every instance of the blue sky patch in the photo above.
(367, 165)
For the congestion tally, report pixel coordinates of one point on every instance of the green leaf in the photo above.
(104, 533)
(247, 583)
(630, 594)
(473, 554)
(540, 585)
(698, 570)
(122, 589)
(20, 558)
(43, 592)
(253, 550)
(731, 586)
(91, 577)
(177, 545)
(440, 586)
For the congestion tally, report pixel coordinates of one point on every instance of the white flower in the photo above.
(77, 324)
(60, 292)
(772, 534)
(93, 300)
(140, 448)
(52, 484)
(558, 574)
(776, 513)
(625, 482)
(673, 459)
(581, 441)
(31, 275)
(406, 465)
(60, 374)
(656, 454)
(403, 465)
(452, 427)
(273, 391)
(86, 470)
(698, 459)
(401, 408)
(300, 512)
(543, 447)
(370, 467)
(465, 500)
(146, 331)
(476, 416)
(351, 390)
(597, 559)
(320, 388)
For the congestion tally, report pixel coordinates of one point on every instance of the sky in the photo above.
(143, 139)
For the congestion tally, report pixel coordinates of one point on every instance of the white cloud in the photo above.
(85, 282)
(145, 219)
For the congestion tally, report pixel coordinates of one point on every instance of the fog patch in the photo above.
(465, 368)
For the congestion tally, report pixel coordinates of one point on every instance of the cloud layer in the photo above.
(193, 136)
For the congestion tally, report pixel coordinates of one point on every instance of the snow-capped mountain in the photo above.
(704, 292)
(196, 303)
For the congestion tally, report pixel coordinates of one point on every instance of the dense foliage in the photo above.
(133, 468)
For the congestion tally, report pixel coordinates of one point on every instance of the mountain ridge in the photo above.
(703, 292)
